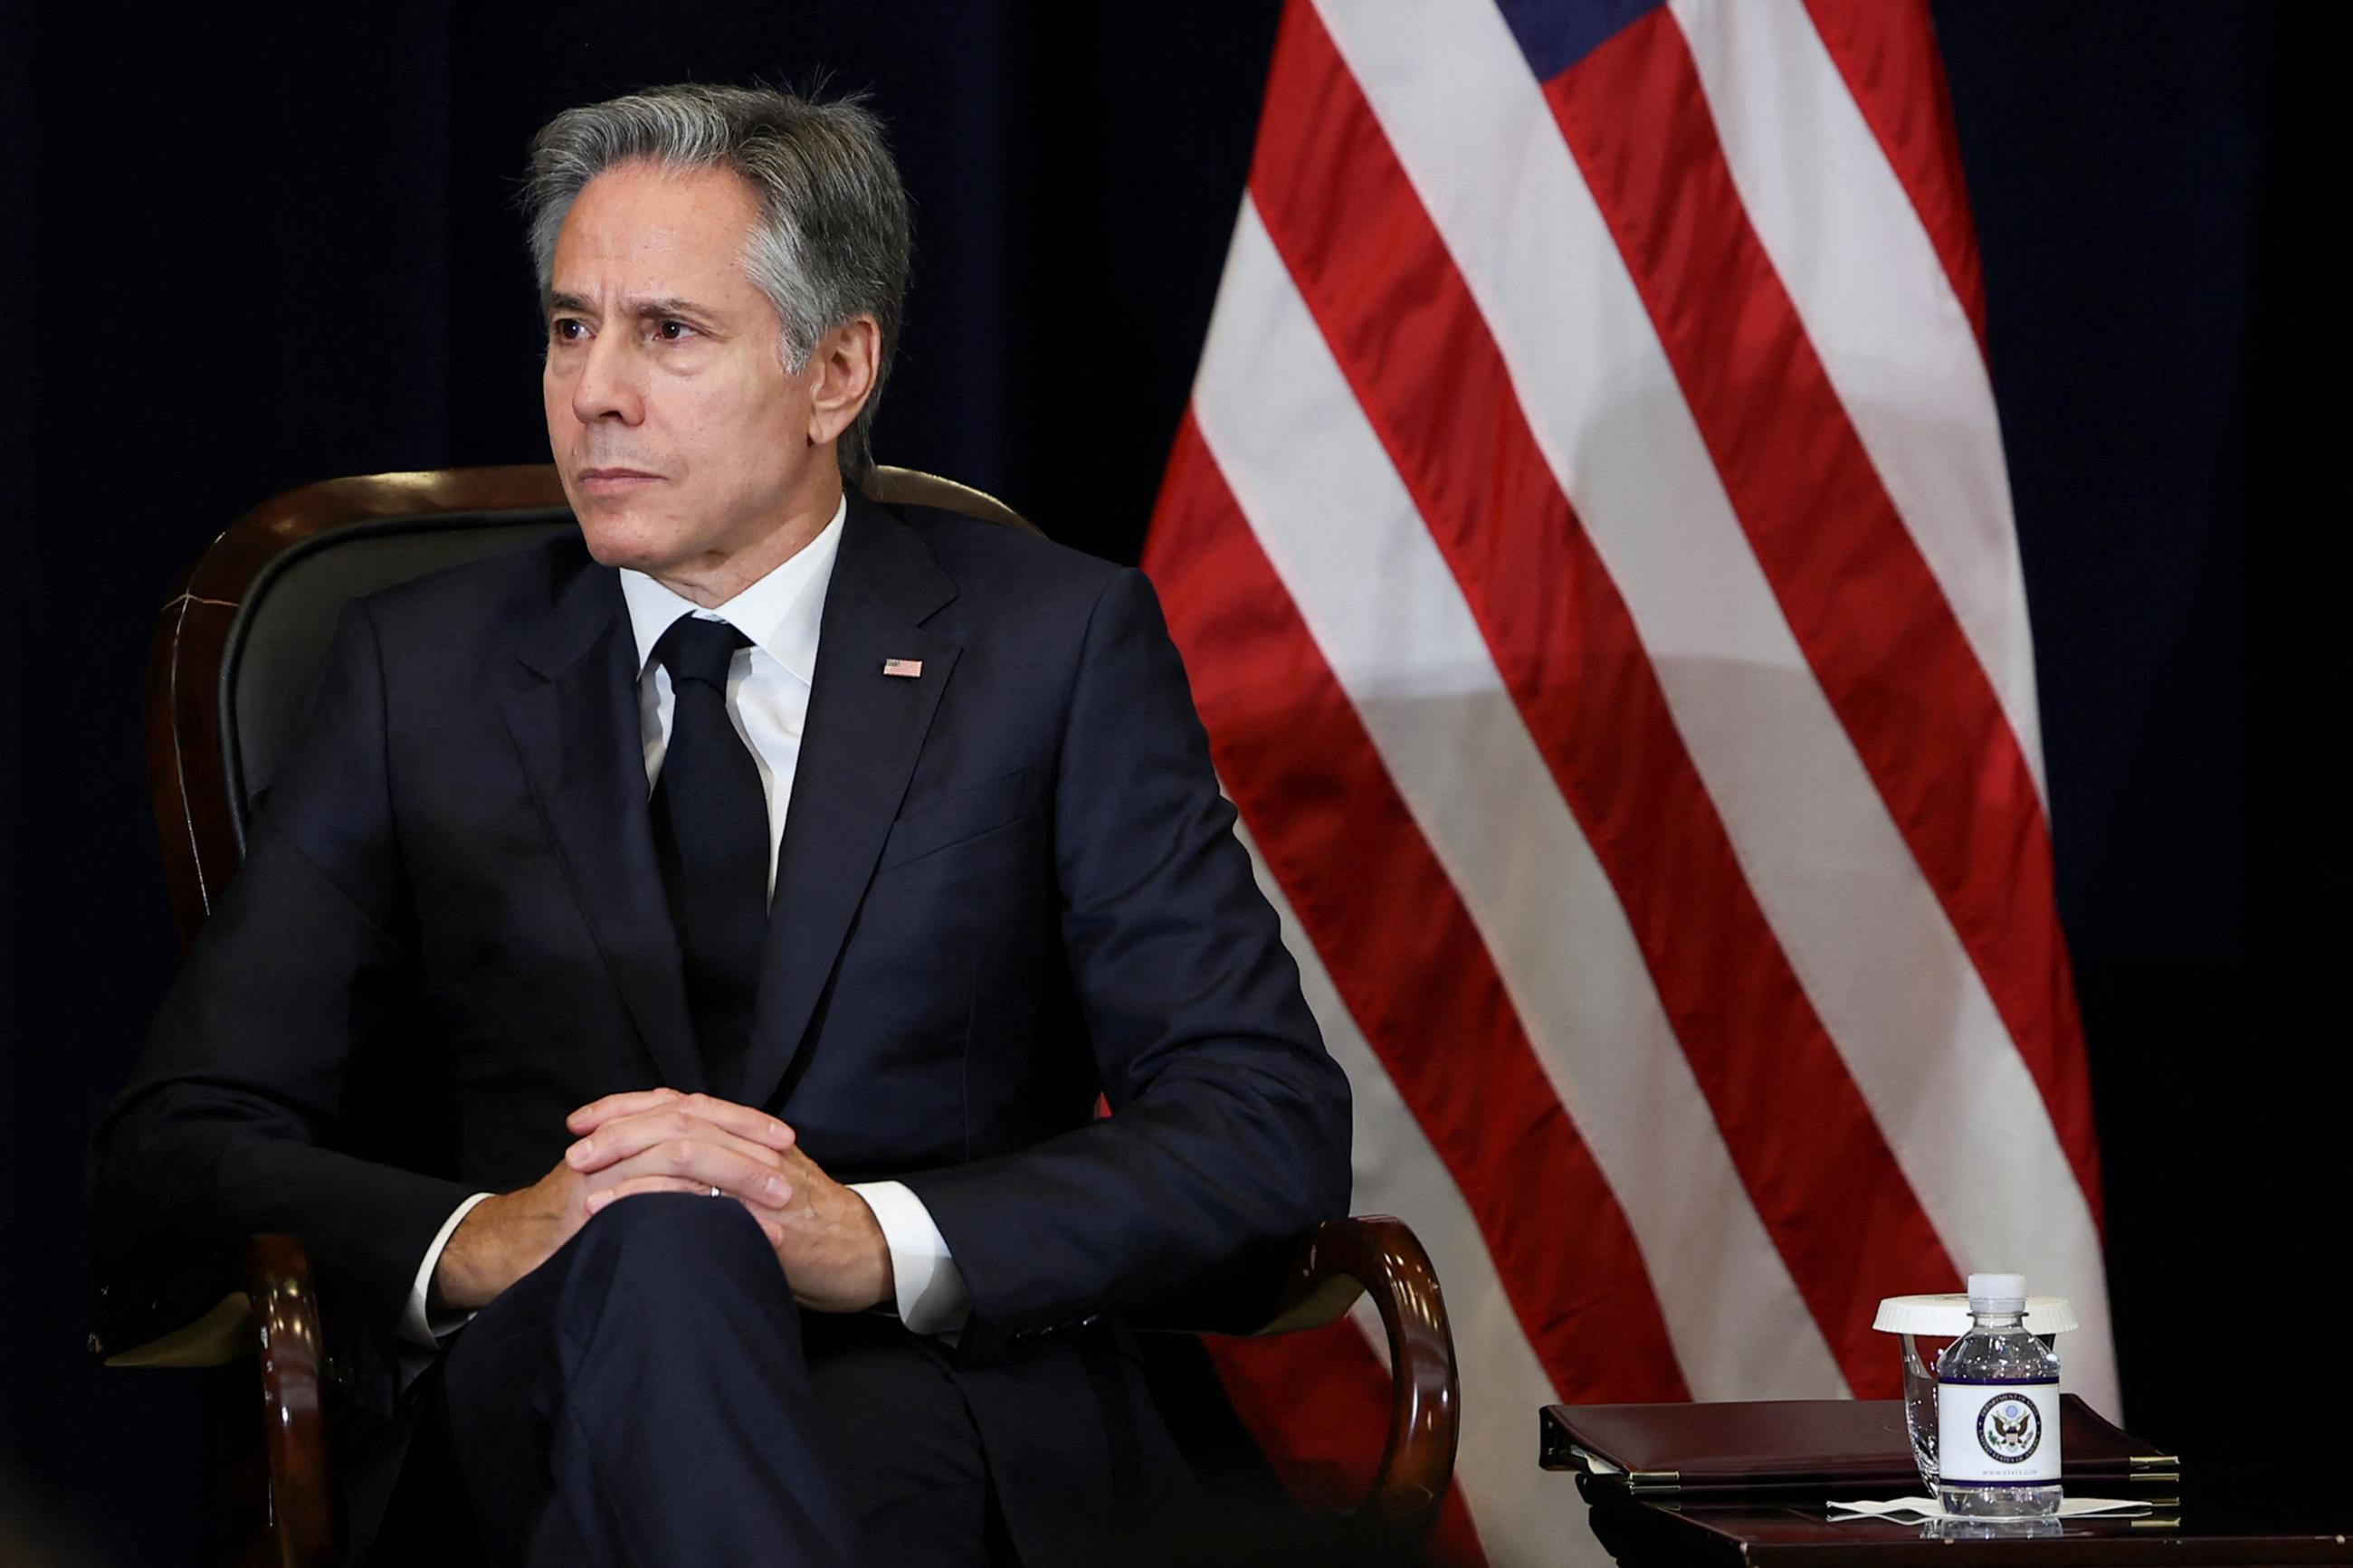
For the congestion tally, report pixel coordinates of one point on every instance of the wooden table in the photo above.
(1646, 1534)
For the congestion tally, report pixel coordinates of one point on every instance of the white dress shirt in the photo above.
(767, 696)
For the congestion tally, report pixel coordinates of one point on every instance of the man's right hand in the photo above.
(677, 1142)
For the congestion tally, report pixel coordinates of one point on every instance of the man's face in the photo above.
(682, 440)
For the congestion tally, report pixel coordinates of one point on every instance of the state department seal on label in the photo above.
(2010, 1428)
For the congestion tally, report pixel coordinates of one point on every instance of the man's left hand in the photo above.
(833, 1251)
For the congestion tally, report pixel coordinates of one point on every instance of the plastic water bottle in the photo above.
(1997, 1410)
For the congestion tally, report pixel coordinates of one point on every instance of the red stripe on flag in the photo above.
(1318, 1404)
(1865, 607)
(1417, 353)
(1408, 964)
(1886, 52)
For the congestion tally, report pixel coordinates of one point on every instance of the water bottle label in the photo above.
(1998, 1434)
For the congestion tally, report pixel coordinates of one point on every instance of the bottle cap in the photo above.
(1997, 1292)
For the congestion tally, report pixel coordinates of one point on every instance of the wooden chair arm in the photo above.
(260, 1302)
(294, 1418)
(1375, 1254)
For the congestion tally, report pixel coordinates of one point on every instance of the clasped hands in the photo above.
(659, 1141)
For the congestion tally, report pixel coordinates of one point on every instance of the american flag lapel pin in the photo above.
(909, 667)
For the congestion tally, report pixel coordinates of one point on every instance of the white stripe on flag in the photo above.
(1340, 530)
(1517, 1507)
(1880, 313)
(1866, 935)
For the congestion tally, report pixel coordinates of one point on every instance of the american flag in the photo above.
(1591, 544)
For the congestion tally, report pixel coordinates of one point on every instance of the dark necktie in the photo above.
(711, 834)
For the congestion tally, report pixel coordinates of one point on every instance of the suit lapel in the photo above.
(577, 730)
(859, 747)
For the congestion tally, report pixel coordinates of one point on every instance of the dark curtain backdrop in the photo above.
(250, 244)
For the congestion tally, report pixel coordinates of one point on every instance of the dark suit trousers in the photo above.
(652, 1396)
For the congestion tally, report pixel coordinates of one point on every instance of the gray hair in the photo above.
(832, 239)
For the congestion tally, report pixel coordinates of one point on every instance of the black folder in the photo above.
(1826, 1448)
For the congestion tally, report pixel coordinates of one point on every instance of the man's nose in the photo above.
(608, 387)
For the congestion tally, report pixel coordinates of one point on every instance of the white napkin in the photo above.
(1929, 1507)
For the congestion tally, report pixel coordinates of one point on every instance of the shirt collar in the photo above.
(779, 612)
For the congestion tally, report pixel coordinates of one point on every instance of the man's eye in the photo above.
(673, 331)
(566, 329)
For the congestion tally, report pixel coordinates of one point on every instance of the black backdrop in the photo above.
(252, 244)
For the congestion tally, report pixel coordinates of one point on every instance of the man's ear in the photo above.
(842, 376)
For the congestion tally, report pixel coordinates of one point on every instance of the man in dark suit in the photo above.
(799, 870)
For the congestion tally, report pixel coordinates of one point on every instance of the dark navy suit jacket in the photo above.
(1006, 885)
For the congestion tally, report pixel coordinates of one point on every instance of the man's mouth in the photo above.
(615, 480)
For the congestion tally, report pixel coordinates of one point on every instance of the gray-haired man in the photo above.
(798, 869)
